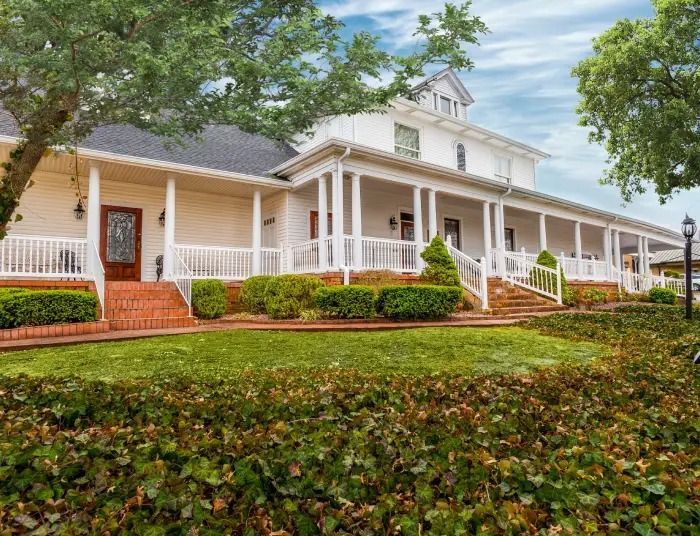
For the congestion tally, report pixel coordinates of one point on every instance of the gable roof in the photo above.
(674, 255)
(448, 73)
(220, 147)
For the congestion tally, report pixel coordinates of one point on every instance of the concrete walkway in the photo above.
(26, 344)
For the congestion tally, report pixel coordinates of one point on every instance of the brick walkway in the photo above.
(230, 326)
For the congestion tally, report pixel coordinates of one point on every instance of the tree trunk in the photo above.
(25, 159)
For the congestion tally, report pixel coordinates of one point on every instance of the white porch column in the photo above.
(418, 226)
(640, 255)
(618, 254)
(356, 222)
(432, 215)
(577, 248)
(322, 223)
(647, 259)
(486, 215)
(543, 232)
(257, 233)
(338, 225)
(607, 253)
(499, 235)
(93, 212)
(169, 234)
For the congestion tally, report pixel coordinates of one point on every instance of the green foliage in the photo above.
(545, 258)
(663, 295)
(45, 307)
(253, 293)
(640, 90)
(286, 296)
(607, 446)
(440, 269)
(595, 295)
(209, 298)
(673, 274)
(377, 278)
(418, 302)
(353, 301)
(130, 62)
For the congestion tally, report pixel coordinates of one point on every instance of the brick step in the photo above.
(524, 310)
(141, 294)
(497, 304)
(138, 285)
(152, 323)
(513, 296)
(161, 302)
(126, 314)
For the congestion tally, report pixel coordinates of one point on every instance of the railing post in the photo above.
(484, 284)
(559, 297)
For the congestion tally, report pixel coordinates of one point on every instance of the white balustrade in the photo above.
(472, 274)
(271, 261)
(43, 256)
(387, 254)
(349, 241)
(182, 277)
(98, 274)
(303, 257)
(227, 263)
(532, 276)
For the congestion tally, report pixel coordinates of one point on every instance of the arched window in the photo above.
(461, 157)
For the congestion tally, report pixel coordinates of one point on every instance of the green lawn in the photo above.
(226, 354)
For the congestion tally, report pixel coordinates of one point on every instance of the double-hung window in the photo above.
(406, 141)
(503, 168)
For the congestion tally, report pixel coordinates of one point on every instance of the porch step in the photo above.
(145, 305)
(506, 299)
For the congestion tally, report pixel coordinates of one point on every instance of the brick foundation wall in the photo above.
(609, 287)
(57, 330)
(39, 284)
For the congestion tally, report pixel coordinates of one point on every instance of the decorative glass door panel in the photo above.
(120, 246)
(452, 230)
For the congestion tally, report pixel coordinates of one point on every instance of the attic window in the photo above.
(446, 105)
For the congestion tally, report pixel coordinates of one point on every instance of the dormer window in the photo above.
(446, 105)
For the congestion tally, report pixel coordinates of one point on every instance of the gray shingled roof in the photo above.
(674, 255)
(222, 147)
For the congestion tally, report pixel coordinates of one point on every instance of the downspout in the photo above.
(341, 207)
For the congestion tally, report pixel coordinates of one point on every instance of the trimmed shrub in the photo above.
(663, 295)
(545, 258)
(355, 301)
(253, 293)
(673, 274)
(46, 307)
(440, 269)
(418, 302)
(286, 296)
(594, 295)
(209, 298)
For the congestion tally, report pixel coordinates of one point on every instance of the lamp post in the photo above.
(689, 228)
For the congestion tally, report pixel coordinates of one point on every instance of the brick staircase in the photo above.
(506, 299)
(145, 305)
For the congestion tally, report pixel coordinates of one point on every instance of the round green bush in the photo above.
(440, 269)
(545, 258)
(253, 293)
(286, 296)
(209, 298)
(418, 302)
(354, 301)
(663, 295)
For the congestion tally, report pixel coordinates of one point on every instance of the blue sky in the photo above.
(523, 87)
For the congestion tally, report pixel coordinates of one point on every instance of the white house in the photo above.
(233, 205)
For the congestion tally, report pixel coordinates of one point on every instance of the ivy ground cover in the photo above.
(605, 447)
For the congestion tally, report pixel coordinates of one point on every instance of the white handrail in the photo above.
(43, 256)
(303, 257)
(532, 276)
(388, 254)
(472, 274)
(98, 274)
(182, 277)
(227, 263)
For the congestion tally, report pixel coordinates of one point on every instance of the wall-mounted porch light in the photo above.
(393, 223)
(161, 218)
(79, 210)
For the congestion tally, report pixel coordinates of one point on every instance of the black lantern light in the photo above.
(161, 218)
(393, 223)
(79, 210)
(688, 228)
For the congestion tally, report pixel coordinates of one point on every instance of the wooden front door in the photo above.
(452, 230)
(120, 245)
(313, 224)
(407, 229)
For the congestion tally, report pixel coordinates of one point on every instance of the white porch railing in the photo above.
(182, 277)
(583, 269)
(271, 261)
(388, 254)
(678, 285)
(227, 263)
(43, 256)
(532, 276)
(303, 257)
(98, 274)
(472, 274)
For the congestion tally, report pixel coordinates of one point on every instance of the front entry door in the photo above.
(452, 230)
(120, 246)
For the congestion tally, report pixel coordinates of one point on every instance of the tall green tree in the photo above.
(640, 95)
(270, 67)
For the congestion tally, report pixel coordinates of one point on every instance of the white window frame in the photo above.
(455, 104)
(503, 178)
(420, 140)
